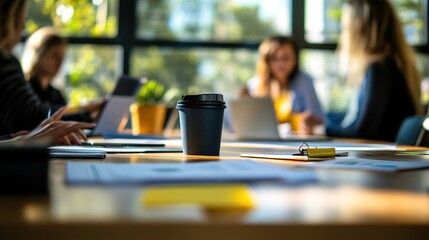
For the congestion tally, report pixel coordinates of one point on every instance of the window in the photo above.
(212, 20)
(323, 20)
(330, 86)
(202, 45)
(413, 14)
(89, 71)
(210, 64)
(196, 70)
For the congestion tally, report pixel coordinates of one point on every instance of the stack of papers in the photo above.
(119, 142)
(115, 135)
(113, 149)
(79, 173)
(81, 155)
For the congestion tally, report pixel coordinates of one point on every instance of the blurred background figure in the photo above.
(42, 60)
(381, 63)
(279, 76)
(23, 117)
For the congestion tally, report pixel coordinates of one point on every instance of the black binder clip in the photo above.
(305, 150)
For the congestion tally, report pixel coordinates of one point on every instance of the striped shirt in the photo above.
(20, 107)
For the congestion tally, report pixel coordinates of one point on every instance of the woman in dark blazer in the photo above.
(383, 67)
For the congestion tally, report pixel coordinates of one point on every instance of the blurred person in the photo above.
(279, 77)
(20, 108)
(43, 56)
(381, 63)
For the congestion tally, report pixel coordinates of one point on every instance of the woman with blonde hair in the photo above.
(279, 77)
(43, 56)
(21, 111)
(383, 65)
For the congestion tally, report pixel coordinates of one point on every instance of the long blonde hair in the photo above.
(9, 12)
(267, 50)
(372, 32)
(36, 47)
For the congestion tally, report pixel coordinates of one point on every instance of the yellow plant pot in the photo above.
(147, 119)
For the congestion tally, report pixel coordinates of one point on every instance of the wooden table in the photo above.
(344, 204)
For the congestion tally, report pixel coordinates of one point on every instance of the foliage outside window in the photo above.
(196, 70)
(212, 20)
(323, 20)
(83, 18)
(90, 72)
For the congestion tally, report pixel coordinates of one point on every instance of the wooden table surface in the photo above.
(342, 204)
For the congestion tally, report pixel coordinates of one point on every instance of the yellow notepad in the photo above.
(211, 197)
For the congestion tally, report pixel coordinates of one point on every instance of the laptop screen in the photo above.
(127, 86)
(254, 119)
(115, 113)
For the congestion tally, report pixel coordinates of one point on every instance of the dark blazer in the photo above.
(56, 100)
(384, 101)
(20, 107)
(51, 95)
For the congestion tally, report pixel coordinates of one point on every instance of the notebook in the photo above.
(255, 119)
(114, 115)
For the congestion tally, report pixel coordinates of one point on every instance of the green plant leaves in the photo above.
(152, 92)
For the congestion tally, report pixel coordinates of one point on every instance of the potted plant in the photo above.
(149, 109)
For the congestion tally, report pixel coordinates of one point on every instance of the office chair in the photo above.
(411, 131)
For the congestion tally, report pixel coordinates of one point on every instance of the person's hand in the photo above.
(57, 132)
(53, 131)
(55, 117)
(308, 123)
(20, 133)
(244, 92)
(94, 108)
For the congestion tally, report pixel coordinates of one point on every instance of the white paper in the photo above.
(201, 172)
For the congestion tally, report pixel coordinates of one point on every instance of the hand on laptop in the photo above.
(309, 123)
(95, 107)
(57, 132)
(52, 131)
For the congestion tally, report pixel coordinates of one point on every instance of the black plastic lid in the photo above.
(210, 100)
(207, 97)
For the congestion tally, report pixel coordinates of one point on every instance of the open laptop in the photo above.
(114, 115)
(255, 119)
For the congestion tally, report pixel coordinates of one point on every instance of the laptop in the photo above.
(255, 119)
(114, 115)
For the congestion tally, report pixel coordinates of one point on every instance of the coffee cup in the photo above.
(201, 121)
